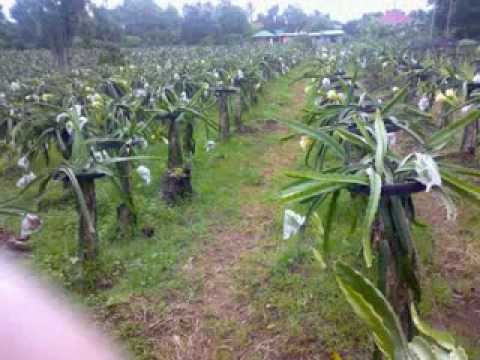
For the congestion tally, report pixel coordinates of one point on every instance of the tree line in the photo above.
(46, 23)
(455, 19)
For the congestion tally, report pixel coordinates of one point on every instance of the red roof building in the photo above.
(394, 17)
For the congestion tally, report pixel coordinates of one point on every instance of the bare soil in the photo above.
(193, 330)
(457, 258)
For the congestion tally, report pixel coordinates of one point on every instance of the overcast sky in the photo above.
(342, 10)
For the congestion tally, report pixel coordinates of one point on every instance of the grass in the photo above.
(292, 301)
(296, 300)
(150, 268)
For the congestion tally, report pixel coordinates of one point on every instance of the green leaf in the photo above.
(330, 178)
(422, 349)
(352, 138)
(332, 209)
(442, 338)
(80, 151)
(372, 308)
(381, 148)
(447, 134)
(417, 137)
(319, 136)
(372, 208)
(465, 189)
(458, 354)
(460, 170)
(399, 95)
(79, 194)
(115, 160)
(307, 189)
(318, 256)
(364, 131)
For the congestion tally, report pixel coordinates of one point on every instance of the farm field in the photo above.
(273, 200)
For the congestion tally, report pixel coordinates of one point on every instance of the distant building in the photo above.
(327, 36)
(264, 36)
(279, 36)
(394, 17)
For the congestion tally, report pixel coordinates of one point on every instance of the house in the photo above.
(265, 36)
(327, 36)
(279, 36)
(394, 17)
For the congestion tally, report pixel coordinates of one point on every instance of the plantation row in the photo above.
(382, 125)
(96, 122)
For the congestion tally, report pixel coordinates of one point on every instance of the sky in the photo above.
(342, 10)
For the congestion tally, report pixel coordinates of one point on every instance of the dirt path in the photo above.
(210, 327)
(456, 258)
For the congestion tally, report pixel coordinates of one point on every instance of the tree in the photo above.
(455, 18)
(51, 23)
(198, 23)
(318, 21)
(452, 9)
(250, 11)
(106, 26)
(295, 19)
(272, 20)
(6, 31)
(26, 14)
(465, 21)
(232, 21)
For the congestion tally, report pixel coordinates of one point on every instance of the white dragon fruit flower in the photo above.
(30, 224)
(15, 86)
(466, 109)
(138, 93)
(25, 180)
(23, 163)
(292, 222)
(210, 145)
(145, 174)
(427, 171)
(61, 116)
(326, 83)
(440, 97)
(142, 142)
(305, 142)
(240, 74)
(450, 93)
(82, 121)
(476, 78)
(184, 97)
(395, 89)
(69, 127)
(78, 109)
(98, 156)
(332, 95)
(423, 103)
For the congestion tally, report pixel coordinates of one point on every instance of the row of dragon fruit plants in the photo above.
(381, 126)
(99, 121)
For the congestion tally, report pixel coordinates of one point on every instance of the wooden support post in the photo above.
(224, 116)
(87, 237)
